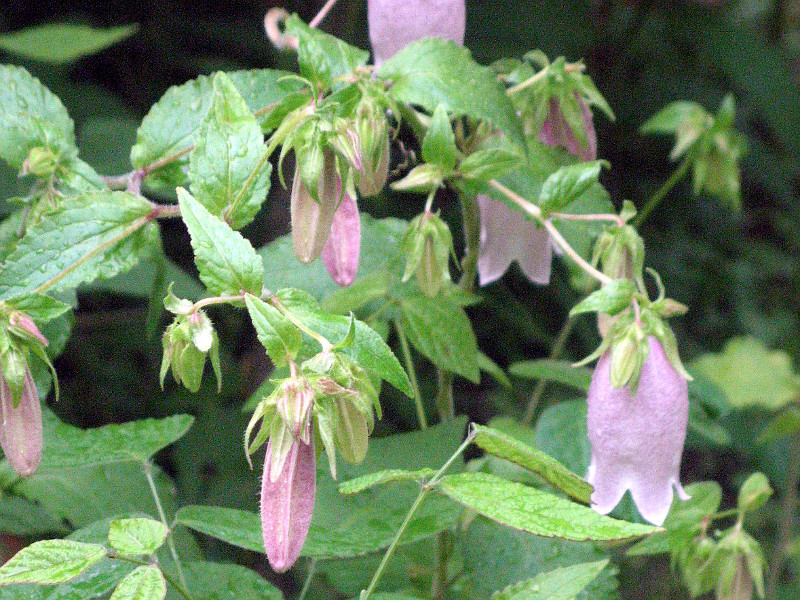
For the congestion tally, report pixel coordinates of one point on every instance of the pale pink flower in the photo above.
(21, 427)
(287, 503)
(342, 250)
(506, 235)
(556, 132)
(393, 24)
(637, 441)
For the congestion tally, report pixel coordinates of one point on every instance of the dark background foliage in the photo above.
(739, 273)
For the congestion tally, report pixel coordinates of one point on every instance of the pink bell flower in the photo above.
(21, 427)
(556, 132)
(342, 250)
(637, 441)
(394, 24)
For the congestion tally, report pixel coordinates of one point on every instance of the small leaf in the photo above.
(784, 423)
(610, 299)
(136, 537)
(143, 583)
(568, 184)
(670, 118)
(61, 43)
(39, 307)
(365, 482)
(439, 145)
(50, 561)
(280, 337)
(534, 511)
(227, 263)
(560, 584)
(490, 163)
(487, 365)
(499, 444)
(237, 527)
(754, 493)
(560, 371)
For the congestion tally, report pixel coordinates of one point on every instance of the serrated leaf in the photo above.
(610, 299)
(434, 71)
(321, 56)
(227, 263)
(504, 446)
(136, 537)
(560, 371)
(50, 562)
(30, 116)
(439, 145)
(227, 169)
(365, 482)
(61, 43)
(441, 330)
(568, 184)
(97, 234)
(39, 307)
(561, 584)
(670, 118)
(281, 339)
(535, 511)
(143, 583)
(488, 164)
(72, 447)
(172, 122)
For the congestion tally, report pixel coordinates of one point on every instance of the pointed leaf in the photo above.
(281, 339)
(365, 482)
(560, 371)
(60, 43)
(561, 584)
(439, 145)
(50, 561)
(610, 299)
(136, 537)
(144, 583)
(237, 527)
(568, 184)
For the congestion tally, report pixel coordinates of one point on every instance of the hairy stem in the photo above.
(148, 473)
(412, 375)
(323, 12)
(661, 193)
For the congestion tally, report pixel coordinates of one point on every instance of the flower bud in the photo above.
(21, 427)
(312, 218)
(556, 131)
(342, 250)
(393, 24)
(22, 325)
(428, 244)
(40, 162)
(186, 343)
(637, 439)
(287, 503)
(373, 133)
(294, 399)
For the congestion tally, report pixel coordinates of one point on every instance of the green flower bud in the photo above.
(186, 343)
(40, 162)
(373, 132)
(754, 493)
(312, 216)
(428, 244)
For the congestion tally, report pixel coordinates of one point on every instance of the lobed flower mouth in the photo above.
(637, 441)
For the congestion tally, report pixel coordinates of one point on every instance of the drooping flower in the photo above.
(506, 235)
(393, 24)
(637, 440)
(556, 131)
(312, 217)
(342, 250)
(21, 427)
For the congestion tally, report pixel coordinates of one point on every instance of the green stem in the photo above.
(472, 242)
(326, 345)
(181, 589)
(312, 569)
(786, 523)
(216, 300)
(412, 375)
(661, 193)
(148, 473)
(555, 352)
(444, 399)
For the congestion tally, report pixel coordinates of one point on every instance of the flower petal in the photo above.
(21, 427)
(341, 251)
(556, 132)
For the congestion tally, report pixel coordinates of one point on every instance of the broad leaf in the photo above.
(439, 145)
(227, 263)
(30, 116)
(228, 169)
(567, 184)
(280, 337)
(610, 299)
(60, 43)
(50, 561)
(504, 446)
(441, 330)
(562, 584)
(237, 527)
(215, 581)
(136, 537)
(98, 234)
(365, 482)
(534, 511)
(561, 432)
(434, 71)
(144, 583)
(560, 371)
(39, 307)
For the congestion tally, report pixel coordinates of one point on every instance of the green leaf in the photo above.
(568, 184)
(323, 57)
(215, 581)
(281, 339)
(561, 432)
(144, 583)
(441, 330)
(561, 584)
(670, 118)
(560, 371)
(39, 307)
(610, 299)
(439, 145)
(784, 423)
(227, 263)
(50, 561)
(365, 482)
(170, 126)
(61, 43)
(751, 375)
(488, 164)
(431, 72)
(30, 116)
(363, 291)
(487, 365)
(136, 537)
(97, 234)
(228, 171)
(69, 446)
(534, 511)
(237, 527)
(754, 493)
(504, 446)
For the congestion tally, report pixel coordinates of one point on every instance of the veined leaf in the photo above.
(143, 583)
(61, 43)
(50, 562)
(136, 537)
(365, 482)
(561, 584)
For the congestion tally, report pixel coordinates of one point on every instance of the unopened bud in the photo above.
(428, 244)
(21, 427)
(343, 248)
(294, 400)
(312, 218)
(40, 162)
(23, 325)
(186, 344)
(373, 133)
(754, 493)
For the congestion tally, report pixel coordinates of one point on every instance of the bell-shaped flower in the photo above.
(556, 131)
(342, 250)
(393, 24)
(312, 217)
(506, 235)
(637, 440)
(21, 427)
